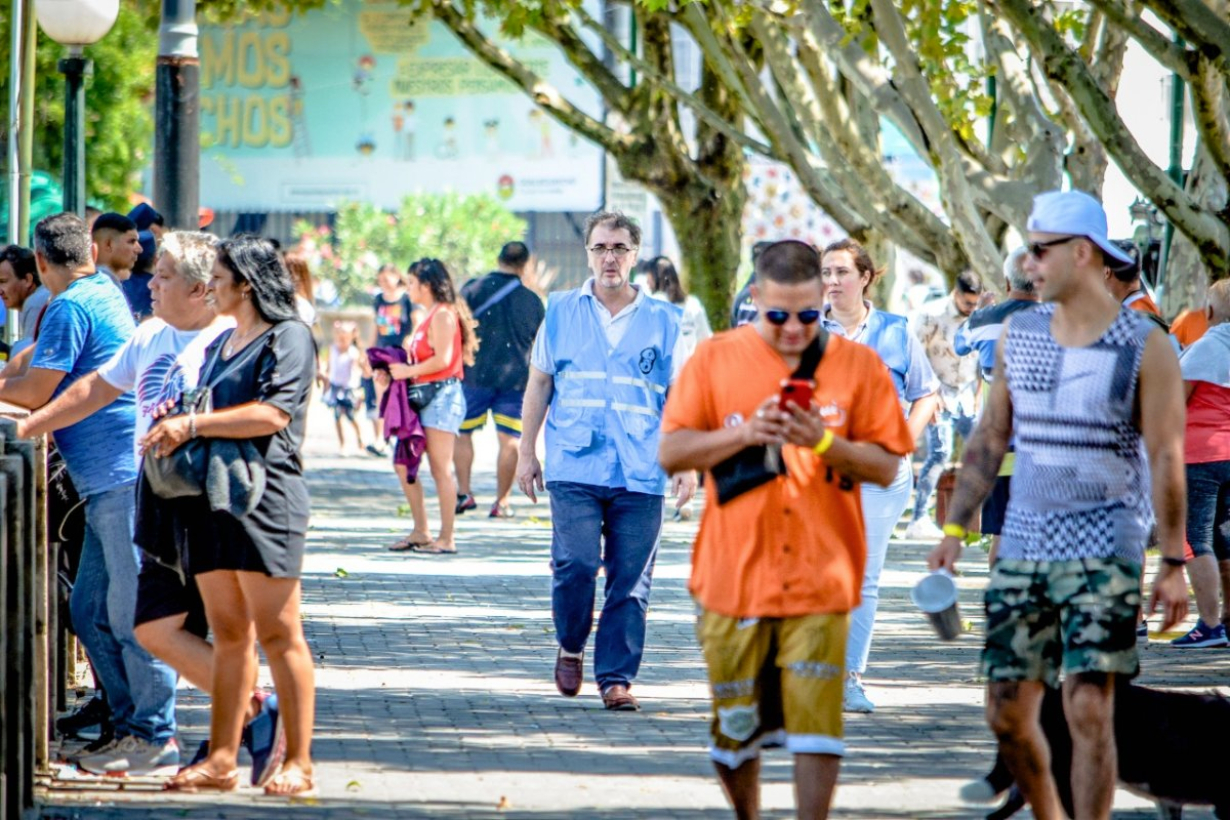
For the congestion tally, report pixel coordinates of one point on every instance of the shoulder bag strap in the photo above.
(812, 354)
(497, 297)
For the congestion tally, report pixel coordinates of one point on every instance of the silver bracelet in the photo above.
(192, 424)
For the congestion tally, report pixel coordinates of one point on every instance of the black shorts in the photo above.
(161, 594)
(162, 529)
(996, 505)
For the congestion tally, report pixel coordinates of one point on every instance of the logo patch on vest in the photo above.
(649, 357)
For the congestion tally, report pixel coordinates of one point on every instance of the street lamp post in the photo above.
(76, 24)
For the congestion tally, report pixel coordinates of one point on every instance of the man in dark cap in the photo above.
(136, 287)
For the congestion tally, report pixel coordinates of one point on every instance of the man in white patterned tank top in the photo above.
(1094, 397)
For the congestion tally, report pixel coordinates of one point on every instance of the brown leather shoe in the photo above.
(617, 698)
(569, 672)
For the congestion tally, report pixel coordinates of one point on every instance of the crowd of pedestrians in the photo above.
(803, 421)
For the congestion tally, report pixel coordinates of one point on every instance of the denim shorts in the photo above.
(1208, 509)
(446, 411)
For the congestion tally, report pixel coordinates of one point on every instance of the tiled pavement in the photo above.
(435, 693)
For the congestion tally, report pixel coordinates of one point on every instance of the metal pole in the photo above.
(177, 148)
(21, 107)
(1175, 171)
(74, 68)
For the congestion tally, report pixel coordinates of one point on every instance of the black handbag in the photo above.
(753, 466)
(182, 473)
(421, 394)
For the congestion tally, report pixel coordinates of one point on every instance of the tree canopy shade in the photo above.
(119, 98)
(809, 83)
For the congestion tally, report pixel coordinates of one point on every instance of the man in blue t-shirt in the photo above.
(86, 322)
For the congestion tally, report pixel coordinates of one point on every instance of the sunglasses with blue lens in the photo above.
(780, 317)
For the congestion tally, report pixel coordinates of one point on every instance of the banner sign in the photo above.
(363, 100)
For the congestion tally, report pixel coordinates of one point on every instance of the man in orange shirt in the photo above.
(778, 568)
(1122, 281)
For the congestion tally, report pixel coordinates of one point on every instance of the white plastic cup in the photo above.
(936, 596)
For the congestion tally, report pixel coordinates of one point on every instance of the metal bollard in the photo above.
(24, 585)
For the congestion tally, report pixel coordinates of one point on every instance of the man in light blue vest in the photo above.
(601, 364)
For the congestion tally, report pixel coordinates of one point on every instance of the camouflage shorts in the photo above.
(1080, 615)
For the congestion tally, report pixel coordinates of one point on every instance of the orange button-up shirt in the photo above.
(796, 545)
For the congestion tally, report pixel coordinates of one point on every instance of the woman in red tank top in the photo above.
(440, 347)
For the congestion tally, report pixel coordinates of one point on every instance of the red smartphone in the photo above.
(796, 391)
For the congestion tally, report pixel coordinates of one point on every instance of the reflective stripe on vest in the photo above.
(604, 421)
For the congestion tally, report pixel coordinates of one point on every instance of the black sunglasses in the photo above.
(780, 317)
(1038, 249)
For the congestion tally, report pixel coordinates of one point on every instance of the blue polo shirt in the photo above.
(82, 329)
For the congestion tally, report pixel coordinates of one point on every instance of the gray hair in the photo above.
(63, 240)
(1014, 271)
(1219, 300)
(613, 220)
(194, 253)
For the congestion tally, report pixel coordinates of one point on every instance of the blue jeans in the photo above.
(140, 689)
(882, 509)
(620, 530)
(939, 450)
(1208, 509)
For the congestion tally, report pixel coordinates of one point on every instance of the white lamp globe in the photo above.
(76, 22)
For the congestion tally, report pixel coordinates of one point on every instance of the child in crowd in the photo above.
(341, 372)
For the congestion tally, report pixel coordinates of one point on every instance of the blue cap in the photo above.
(1076, 213)
(144, 215)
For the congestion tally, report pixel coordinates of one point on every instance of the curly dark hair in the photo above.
(434, 276)
(255, 260)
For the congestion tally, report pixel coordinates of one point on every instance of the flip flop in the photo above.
(196, 778)
(429, 549)
(292, 783)
(408, 544)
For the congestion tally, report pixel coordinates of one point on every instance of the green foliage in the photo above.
(939, 28)
(465, 232)
(119, 103)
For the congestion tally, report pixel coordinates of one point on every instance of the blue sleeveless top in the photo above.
(1081, 487)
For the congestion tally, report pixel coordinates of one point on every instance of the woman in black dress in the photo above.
(248, 565)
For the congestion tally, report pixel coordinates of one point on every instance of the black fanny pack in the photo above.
(422, 394)
(753, 466)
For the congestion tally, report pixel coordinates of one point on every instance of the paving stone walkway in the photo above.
(436, 700)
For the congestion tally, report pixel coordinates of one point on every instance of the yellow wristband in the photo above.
(825, 442)
(955, 530)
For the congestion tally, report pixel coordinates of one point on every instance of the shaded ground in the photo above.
(435, 693)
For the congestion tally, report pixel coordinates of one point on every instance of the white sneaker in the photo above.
(923, 530)
(854, 699)
(134, 756)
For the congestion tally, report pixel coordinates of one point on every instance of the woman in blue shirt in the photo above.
(847, 273)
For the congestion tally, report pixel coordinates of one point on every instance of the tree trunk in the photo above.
(1187, 277)
(709, 225)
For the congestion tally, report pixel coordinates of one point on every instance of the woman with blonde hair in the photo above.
(440, 347)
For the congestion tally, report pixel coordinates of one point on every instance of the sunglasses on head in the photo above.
(780, 317)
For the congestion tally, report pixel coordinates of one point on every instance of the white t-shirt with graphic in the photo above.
(160, 362)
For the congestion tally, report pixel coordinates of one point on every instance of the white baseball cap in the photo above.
(1076, 213)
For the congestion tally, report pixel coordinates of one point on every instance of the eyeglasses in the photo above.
(1038, 249)
(780, 317)
(620, 251)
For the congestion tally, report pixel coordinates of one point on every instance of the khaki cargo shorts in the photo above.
(1078, 616)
